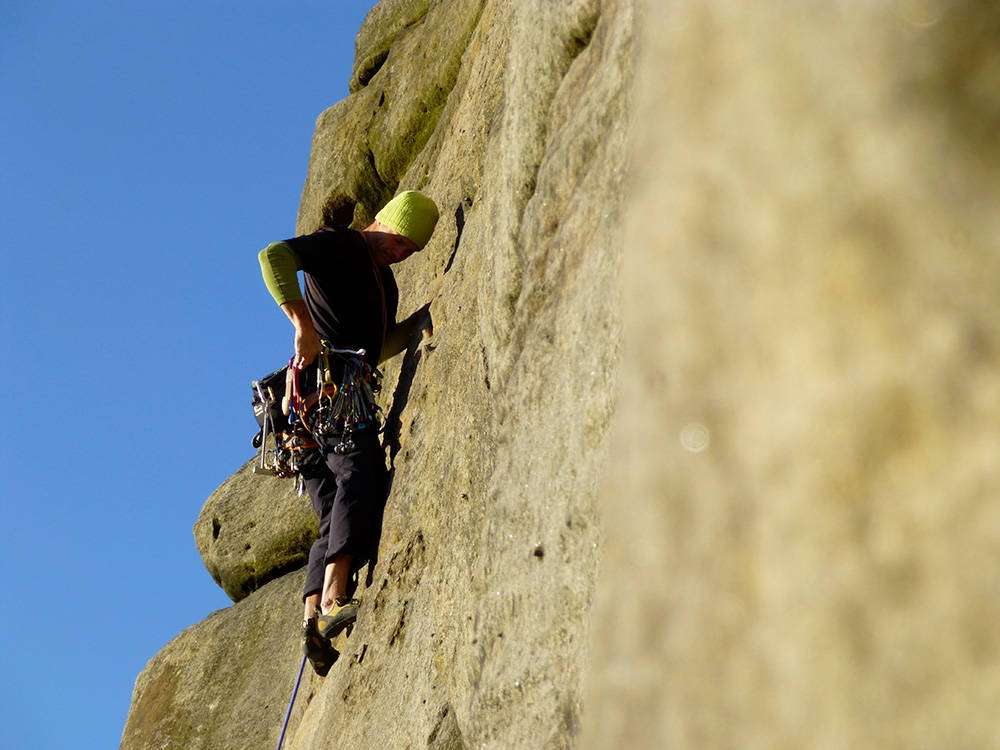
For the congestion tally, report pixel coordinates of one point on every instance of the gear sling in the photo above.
(342, 404)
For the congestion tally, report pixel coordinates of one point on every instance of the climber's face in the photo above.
(388, 247)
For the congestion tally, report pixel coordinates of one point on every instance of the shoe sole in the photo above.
(322, 658)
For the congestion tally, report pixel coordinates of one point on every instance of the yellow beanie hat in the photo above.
(412, 215)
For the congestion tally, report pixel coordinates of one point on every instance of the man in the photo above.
(349, 304)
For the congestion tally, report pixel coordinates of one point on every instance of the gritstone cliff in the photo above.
(473, 629)
(788, 536)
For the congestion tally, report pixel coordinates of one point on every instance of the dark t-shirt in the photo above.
(342, 290)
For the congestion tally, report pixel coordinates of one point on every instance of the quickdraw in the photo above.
(282, 457)
(290, 423)
(344, 408)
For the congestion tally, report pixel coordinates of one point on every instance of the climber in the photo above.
(349, 303)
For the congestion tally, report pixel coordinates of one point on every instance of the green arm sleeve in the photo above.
(396, 340)
(400, 334)
(279, 265)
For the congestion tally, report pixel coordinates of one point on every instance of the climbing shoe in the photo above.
(317, 648)
(344, 613)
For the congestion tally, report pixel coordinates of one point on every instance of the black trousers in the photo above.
(348, 494)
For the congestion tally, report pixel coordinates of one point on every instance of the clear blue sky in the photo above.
(148, 150)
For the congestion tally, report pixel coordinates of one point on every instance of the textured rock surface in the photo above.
(808, 425)
(252, 530)
(225, 682)
(801, 543)
(473, 632)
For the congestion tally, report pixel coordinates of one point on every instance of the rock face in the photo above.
(810, 384)
(473, 630)
(252, 530)
(220, 682)
(796, 540)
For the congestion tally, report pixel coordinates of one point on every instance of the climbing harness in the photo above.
(342, 405)
(291, 703)
(344, 408)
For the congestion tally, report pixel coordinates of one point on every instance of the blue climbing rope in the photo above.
(291, 703)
